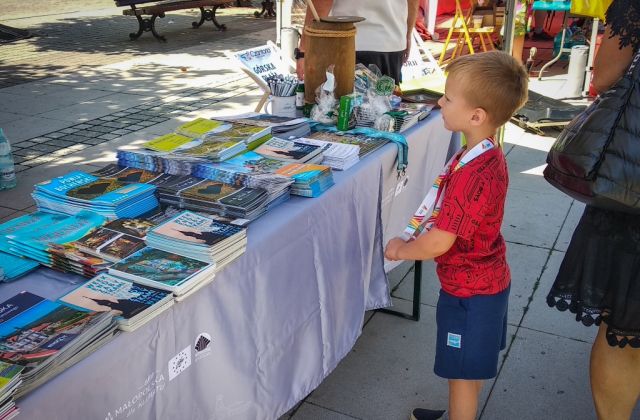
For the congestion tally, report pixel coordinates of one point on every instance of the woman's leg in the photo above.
(518, 46)
(615, 378)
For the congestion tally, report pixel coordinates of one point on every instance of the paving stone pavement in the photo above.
(64, 43)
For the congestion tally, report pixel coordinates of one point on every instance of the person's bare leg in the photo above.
(615, 378)
(463, 399)
(518, 46)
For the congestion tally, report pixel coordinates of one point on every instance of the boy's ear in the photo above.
(479, 116)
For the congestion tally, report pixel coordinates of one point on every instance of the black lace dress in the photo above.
(599, 279)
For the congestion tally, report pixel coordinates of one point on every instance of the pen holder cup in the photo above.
(283, 106)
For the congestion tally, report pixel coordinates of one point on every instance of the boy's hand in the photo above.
(391, 251)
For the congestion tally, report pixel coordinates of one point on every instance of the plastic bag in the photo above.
(591, 8)
(325, 109)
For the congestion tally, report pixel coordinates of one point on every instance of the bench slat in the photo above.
(174, 5)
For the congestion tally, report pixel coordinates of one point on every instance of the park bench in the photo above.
(141, 9)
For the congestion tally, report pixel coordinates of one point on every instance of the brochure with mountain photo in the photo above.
(129, 302)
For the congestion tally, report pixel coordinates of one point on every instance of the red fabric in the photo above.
(473, 208)
(449, 6)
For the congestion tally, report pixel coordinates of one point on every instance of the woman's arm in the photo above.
(611, 62)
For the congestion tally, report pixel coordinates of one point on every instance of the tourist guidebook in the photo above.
(10, 379)
(133, 304)
(366, 144)
(78, 191)
(167, 143)
(164, 270)
(291, 151)
(339, 156)
(36, 244)
(27, 223)
(13, 267)
(196, 236)
(117, 239)
(42, 335)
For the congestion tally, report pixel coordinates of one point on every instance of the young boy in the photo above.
(461, 219)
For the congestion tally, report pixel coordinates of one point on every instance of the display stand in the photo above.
(262, 62)
(421, 62)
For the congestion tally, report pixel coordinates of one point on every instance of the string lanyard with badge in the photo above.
(429, 209)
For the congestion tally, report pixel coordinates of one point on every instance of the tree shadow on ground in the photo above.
(67, 44)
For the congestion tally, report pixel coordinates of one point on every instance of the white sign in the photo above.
(416, 67)
(263, 61)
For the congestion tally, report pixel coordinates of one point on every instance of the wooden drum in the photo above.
(330, 41)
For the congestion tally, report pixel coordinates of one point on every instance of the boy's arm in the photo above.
(427, 246)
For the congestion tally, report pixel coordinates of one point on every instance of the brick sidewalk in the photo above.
(92, 37)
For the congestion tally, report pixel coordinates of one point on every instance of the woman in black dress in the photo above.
(599, 279)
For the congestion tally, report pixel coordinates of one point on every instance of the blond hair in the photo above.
(493, 81)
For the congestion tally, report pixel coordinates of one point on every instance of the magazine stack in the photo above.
(340, 156)
(253, 169)
(187, 192)
(117, 239)
(35, 240)
(196, 236)
(214, 196)
(309, 180)
(77, 191)
(10, 379)
(291, 151)
(47, 337)
(165, 270)
(157, 161)
(67, 257)
(132, 304)
(366, 144)
(198, 141)
(13, 267)
(35, 222)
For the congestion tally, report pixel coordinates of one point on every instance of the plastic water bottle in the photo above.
(7, 170)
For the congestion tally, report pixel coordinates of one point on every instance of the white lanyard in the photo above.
(424, 217)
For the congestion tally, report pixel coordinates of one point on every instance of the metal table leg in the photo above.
(417, 286)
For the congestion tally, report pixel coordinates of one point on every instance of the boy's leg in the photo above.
(615, 378)
(463, 398)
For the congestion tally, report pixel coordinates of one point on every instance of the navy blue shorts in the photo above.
(471, 333)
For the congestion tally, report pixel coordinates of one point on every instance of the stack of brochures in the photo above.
(309, 180)
(366, 144)
(196, 236)
(34, 239)
(274, 175)
(232, 201)
(157, 161)
(61, 256)
(67, 257)
(407, 114)
(132, 304)
(340, 156)
(291, 151)
(10, 379)
(47, 337)
(77, 191)
(165, 270)
(198, 141)
(214, 196)
(117, 239)
(13, 267)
